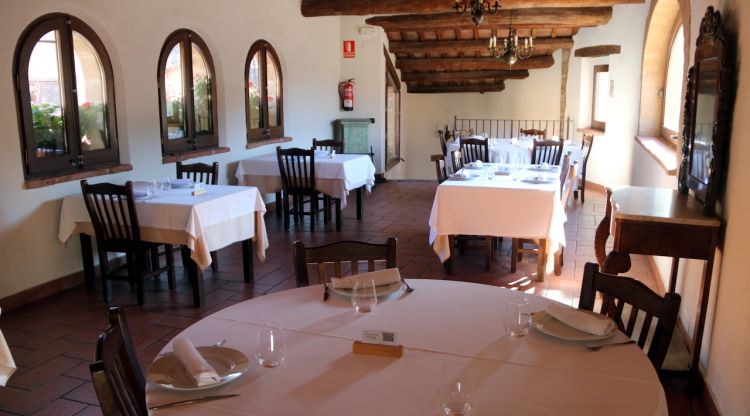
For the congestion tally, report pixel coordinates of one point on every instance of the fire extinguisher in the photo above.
(346, 92)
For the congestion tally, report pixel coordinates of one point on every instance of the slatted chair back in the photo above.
(644, 305)
(112, 212)
(297, 168)
(199, 172)
(443, 141)
(564, 169)
(117, 377)
(328, 145)
(546, 151)
(475, 149)
(568, 182)
(457, 161)
(541, 134)
(342, 254)
(440, 168)
(586, 145)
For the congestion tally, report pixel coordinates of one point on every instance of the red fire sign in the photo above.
(349, 49)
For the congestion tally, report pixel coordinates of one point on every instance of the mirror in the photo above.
(708, 103)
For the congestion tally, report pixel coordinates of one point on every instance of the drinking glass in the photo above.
(364, 296)
(270, 350)
(456, 392)
(166, 183)
(152, 189)
(518, 318)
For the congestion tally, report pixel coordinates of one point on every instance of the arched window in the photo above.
(264, 93)
(187, 97)
(673, 86)
(65, 98)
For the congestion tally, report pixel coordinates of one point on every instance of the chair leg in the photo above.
(514, 255)
(279, 204)
(313, 211)
(104, 270)
(154, 255)
(326, 209)
(215, 261)
(169, 254)
(542, 259)
(449, 263)
(338, 214)
(285, 203)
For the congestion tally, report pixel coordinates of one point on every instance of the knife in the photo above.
(190, 401)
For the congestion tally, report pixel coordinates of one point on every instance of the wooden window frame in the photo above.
(264, 133)
(391, 78)
(77, 159)
(596, 124)
(664, 132)
(191, 141)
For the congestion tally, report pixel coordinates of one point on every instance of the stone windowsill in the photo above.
(663, 152)
(193, 154)
(42, 182)
(261, 143)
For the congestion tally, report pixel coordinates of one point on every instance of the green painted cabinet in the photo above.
(353, 132)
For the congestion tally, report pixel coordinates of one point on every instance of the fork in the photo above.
(408, 288)
(599, 346)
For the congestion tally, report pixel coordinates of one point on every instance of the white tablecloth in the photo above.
(333, 176)
(504, 206)
(204, 223)
(516, 152)
(440, 322)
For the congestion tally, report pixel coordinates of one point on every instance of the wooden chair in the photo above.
(117, 377)
(339, 253)
(199, 172)
(206, 174)
(521, 246)
(443, 134)
(115, 223)
(475, 149)
(440, 168)
(564, 169)
(619, 291)
(546, 151)
(457, 161)
(586, 145)
(541, 134)
(328, 145)
(297, 168)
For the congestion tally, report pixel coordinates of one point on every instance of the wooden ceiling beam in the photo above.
(462, 76)
(597, 51)
(480, 45)
(437, 89)
(471, 64)
(534, 18)
(312, 8)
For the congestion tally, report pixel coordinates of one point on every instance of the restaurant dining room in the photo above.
(403, 207)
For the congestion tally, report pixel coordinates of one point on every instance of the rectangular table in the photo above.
(503, 206)
(334, 176)
(517, 152)
(201, 224)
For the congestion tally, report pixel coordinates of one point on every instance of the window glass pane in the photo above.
(253, 91)
(173, 86)
(45, 87)
(91, 87)
(201, 93)
(673, 84)
(274, 117)
(601, 101)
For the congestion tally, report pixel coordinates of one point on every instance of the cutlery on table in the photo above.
(597, 347)
(191, 401)
(408, 288)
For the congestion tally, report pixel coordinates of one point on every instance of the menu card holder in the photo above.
(395, 351)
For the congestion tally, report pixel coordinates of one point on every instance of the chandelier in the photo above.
(478, 9)
(511, 51)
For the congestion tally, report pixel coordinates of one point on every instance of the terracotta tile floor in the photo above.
(53, 340)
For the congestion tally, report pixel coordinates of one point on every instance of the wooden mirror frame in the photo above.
(710, 47)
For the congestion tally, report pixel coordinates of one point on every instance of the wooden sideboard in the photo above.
(660, 222)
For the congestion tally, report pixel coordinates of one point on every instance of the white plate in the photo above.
(538, 180)
(542, 168)
(379, 290)
(474, 166)
(455, 177)
(546, 324)
(167, 372)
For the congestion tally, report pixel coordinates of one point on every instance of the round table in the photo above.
(440, 322)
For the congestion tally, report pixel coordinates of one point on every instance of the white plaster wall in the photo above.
(537, 97)
(133, 32)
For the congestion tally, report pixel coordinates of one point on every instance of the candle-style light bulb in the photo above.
(531, 41)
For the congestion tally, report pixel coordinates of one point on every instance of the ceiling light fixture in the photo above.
(511, 51)
(478, 9)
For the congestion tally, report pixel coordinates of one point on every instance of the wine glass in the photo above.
(364, 296)
(456, 392)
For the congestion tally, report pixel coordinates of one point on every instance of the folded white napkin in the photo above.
(194, 363)
(181, 183)
(7, 365)
(380, 277)
(578, 319)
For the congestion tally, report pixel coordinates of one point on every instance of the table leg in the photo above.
(247, 260)
(87, 256)
(359, 204)
(541, 267)
(279, 207)
(195, 276)
(673, 274)
(701, 321)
